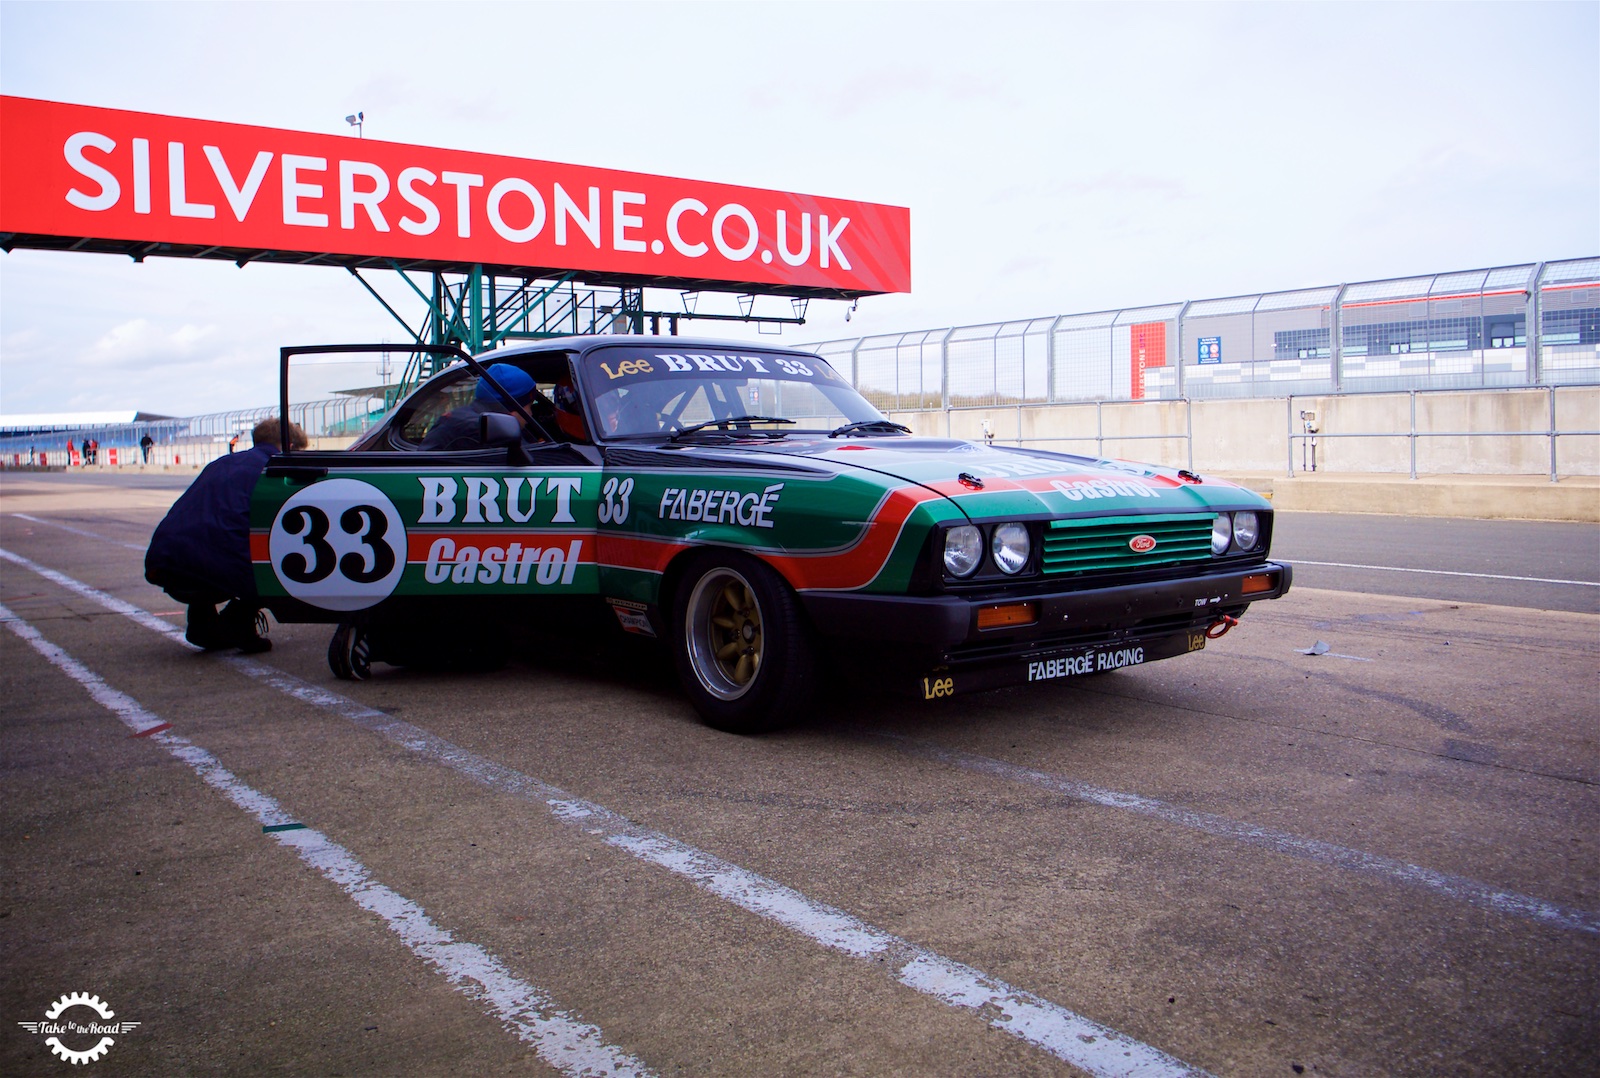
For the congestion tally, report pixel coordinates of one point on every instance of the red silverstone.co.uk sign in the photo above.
(75, 171)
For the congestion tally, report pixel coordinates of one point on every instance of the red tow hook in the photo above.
(1219, 628)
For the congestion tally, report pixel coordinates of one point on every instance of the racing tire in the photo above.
(350, 653)
(741, 644)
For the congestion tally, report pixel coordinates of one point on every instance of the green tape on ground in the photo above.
(284, 827)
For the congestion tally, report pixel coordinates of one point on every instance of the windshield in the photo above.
(648, 392)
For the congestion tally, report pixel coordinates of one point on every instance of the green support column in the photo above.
(491, 336)
(437, 316)
(475, 311)
(632, 304)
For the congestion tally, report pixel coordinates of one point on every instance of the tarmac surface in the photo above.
(1546, 565)
(1379, 859)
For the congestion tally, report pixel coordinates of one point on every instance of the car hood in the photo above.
(989, 481)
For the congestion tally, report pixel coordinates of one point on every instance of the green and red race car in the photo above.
(749, 509)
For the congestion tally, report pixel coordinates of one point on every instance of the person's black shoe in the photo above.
(206, 630)
(257, 641)
(350, 653)
(244, 627)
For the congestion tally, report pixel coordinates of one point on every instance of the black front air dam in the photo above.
(945, 623)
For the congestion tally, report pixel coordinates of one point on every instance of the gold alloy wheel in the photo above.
(723, 627)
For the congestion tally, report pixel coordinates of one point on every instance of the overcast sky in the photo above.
(1055, 158)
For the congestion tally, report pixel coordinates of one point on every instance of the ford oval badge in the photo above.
(1142, 544)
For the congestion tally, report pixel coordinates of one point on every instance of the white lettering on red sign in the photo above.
(113, 175)
(365, 186)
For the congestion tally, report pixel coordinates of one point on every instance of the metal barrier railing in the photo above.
(200, 439)
(1309, 438)
(1297, 436)
(1529, 325)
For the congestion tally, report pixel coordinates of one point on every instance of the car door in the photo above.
(341, 531)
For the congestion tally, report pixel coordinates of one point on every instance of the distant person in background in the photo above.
(94, 451)
(233, 443)
(83, 456)
(144, 446)
(200, 553)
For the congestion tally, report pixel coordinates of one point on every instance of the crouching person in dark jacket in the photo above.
(200, 552)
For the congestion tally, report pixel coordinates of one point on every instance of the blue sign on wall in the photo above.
(1210, 349)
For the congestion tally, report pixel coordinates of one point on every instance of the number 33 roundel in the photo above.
(340, 545)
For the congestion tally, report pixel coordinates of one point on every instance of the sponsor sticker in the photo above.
(1099, 660)
(1077, 490)
(459, 561)
(480, 499)
(631, 616)
(720, 506)
(612, 367)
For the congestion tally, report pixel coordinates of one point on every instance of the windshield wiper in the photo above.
(724, 424)
(876, 425)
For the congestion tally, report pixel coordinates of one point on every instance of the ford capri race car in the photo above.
(748, 508)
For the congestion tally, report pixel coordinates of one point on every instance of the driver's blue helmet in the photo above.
(514, 380)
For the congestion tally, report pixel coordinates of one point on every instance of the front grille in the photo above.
(1100, 544)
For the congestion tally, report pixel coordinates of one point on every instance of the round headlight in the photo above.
(1246, 531)
(1221, 533)
(1009, 546)
(963, 550)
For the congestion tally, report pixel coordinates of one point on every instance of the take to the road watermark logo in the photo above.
(78, 1028)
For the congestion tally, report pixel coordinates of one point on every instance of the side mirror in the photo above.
(497, 428)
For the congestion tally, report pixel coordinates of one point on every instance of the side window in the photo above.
(431, 409)
(456, 389)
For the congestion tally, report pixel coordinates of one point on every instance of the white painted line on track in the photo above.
(110, 602)
(1446, 572)
(80, 531)
(1460, 888)
(567, 1043)
(1065, 1034)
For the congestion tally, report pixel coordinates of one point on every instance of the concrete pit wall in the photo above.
(1253, 436)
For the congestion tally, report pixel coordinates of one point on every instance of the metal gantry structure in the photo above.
(479, 310)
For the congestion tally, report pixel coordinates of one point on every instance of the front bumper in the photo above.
(941, 632)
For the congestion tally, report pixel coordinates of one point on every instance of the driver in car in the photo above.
(569, 411)
(460, 428)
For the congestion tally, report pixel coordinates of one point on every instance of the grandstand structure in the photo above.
(1536, 324)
